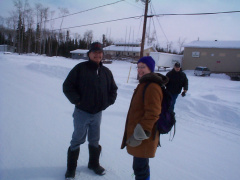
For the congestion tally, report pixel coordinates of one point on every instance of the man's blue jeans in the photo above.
(174, 98)
(85, 124)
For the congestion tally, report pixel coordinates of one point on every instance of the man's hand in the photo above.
(183, 93)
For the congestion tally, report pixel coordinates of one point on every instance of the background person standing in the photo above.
(177, 81)
(90, 86)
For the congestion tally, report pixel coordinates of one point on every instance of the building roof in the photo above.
(80, 51)
(128, 44)
(126, 48)
(214, 44)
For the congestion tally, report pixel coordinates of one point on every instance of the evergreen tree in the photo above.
(18, 35)
(37, 40)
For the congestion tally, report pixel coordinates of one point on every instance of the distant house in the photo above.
(79, 54)
(7, 48)
(218, 56)
(123, 50)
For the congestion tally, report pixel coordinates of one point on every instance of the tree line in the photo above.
(26, 30)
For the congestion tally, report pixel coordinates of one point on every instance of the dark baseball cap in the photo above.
(177, 64)
(96, 46)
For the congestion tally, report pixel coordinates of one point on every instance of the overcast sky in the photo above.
(168, 28)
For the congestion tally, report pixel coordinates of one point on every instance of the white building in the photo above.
(79, 54)
(6, 48)
(131, 50)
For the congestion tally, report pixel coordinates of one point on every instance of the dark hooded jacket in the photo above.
(146, 113)
(177, 81)
(90, 87)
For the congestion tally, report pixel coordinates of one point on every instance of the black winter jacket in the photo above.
(90, 87)
(177, 81)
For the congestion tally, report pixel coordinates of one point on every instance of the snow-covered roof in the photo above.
(80, 51)
(128, 43)
(214, 44)
(125, 48)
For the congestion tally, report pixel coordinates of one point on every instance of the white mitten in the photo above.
(140, 134)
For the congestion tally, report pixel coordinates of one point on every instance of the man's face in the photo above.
(176, 68)
(96, 56)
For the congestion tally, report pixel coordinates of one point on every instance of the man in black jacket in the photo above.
(90, 86)
(177, 81)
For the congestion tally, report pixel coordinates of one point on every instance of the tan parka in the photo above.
(146, 113)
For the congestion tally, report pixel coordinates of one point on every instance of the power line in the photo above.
(140, 7)
(137, 17)
(134, 17)
(85, 10)
(197, 14)
(159, 24)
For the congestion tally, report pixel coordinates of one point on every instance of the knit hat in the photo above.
(148, 60)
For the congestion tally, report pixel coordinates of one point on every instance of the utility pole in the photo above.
(144, 28)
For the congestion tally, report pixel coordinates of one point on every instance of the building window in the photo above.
(203, 53)
(222, 54)
(195, 54)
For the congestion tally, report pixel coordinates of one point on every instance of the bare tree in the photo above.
(180, 44)
(88, 37)
(45, 17)
(11, 23)
(169, 47)
(27, 22)
(30, 21)
(63, 13)
(151, 38)
(19, 6)
(1, 21)
(50, 48)
(38, 37)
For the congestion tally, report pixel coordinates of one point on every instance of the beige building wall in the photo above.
(216, 59)
(146, 52)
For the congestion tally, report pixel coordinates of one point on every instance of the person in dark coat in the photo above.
(177, 81)
(90, 86)
(140, 136)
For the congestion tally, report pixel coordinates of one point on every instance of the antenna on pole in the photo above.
(144, 26)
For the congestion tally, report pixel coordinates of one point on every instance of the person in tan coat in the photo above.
(141, 137)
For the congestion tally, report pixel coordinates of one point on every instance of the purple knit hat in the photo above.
(148, 60)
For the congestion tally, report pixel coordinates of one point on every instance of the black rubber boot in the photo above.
(72, 158)
(93, 163)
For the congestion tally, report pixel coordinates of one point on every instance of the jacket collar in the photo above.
(94, 65)
(154, 77)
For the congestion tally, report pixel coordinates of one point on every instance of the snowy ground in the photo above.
(36, 125)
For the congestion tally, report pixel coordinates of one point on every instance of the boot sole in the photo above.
(100, 174)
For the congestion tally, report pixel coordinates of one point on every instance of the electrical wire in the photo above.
(134, 17)
(84, 10)
(140, 7)
(160, 25)
(149, 16)
(197, 14)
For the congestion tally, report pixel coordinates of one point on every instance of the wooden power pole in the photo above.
(144, 28)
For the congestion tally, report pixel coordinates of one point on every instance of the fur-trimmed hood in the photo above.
(154, 77)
